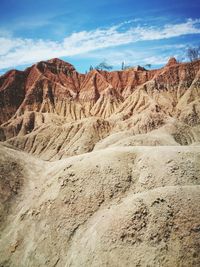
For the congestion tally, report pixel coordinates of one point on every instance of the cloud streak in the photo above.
(18, 51)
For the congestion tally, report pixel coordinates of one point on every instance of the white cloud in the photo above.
(18, 51)
(169, 30)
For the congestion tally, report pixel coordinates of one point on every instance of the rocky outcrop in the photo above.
(52, 86)
(138, 99)
(12, 93)
(172, 61)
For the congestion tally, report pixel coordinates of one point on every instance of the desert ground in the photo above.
(104, 175)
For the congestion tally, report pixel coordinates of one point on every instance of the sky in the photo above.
(87, 32)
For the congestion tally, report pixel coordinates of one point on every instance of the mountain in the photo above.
(96, 166)
(53, 95)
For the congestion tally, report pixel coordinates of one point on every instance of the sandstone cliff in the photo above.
(53, 95)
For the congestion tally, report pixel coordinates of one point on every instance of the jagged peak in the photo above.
(56, 63)
(56, 60)
(171, 61)
(11, 73)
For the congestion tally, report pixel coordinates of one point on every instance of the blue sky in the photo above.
(86, 32)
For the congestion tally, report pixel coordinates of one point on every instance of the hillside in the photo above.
(100, 169)
(50, 106)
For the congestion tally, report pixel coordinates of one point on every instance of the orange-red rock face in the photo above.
(55, 86)
(12, 93)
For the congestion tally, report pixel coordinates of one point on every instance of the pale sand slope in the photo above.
(116, 206)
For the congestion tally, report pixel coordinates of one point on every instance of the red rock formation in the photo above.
(54, 86)
(12, 93)
(172, 61)
(49, 86)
